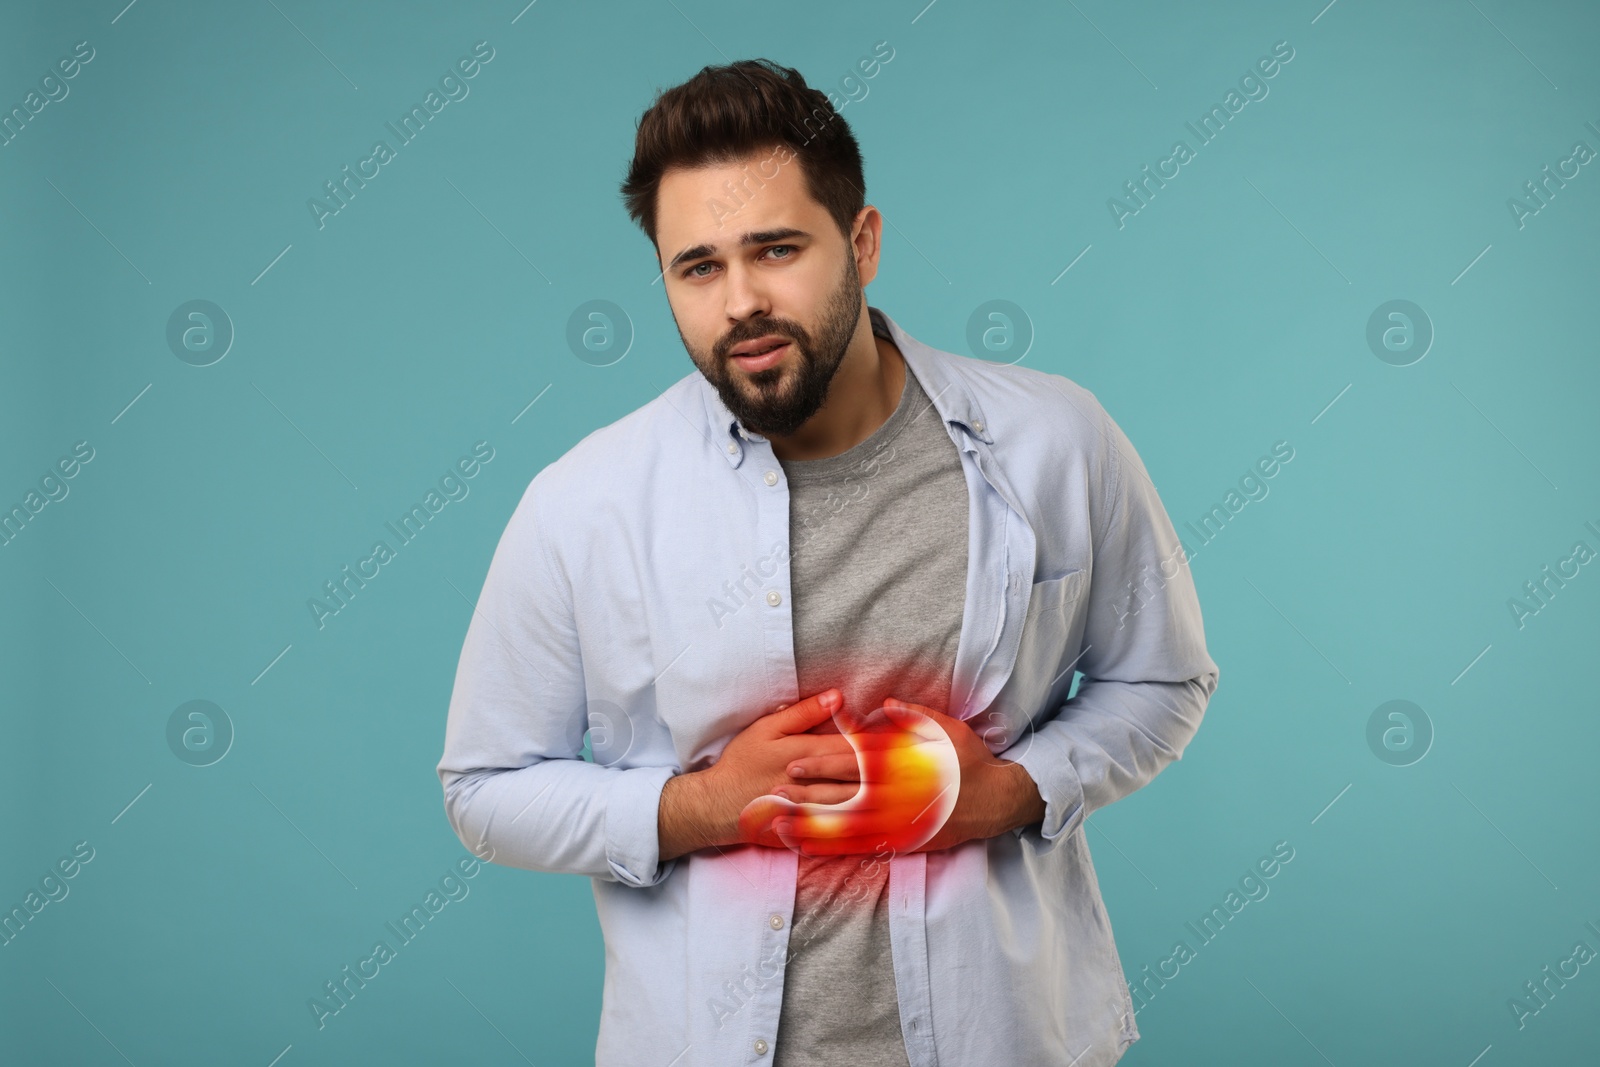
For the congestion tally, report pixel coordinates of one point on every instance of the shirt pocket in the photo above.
(1042, 673)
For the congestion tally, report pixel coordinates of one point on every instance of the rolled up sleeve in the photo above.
(517, 790)
(1147, 675)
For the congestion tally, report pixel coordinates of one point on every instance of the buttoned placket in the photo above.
(762, 1011)
(996, 605)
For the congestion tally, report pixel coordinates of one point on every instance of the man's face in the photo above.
(768, 263)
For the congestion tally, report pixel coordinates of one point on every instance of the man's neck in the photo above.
(864, 392)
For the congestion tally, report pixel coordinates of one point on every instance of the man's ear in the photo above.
(866, 243)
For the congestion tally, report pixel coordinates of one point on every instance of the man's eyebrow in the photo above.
(755, 237)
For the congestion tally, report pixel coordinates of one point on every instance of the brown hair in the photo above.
(727, 113)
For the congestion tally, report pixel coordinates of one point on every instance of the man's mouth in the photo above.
(763, 359)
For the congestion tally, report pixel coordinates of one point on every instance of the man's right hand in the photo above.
(701, 809)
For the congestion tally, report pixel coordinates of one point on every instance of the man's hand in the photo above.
(700, 809)
(991, 795)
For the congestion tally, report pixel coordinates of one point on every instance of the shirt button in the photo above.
(771, 477)
(978, 426)
(761, 1047)
(732, 448)
(774, 598)
(776, 922)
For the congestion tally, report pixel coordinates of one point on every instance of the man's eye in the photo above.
(693, 272)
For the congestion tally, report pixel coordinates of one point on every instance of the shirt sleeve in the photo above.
(517, 790)
(1147, 675)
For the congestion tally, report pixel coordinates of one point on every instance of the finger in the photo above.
(850, 721)
(756, 818)
(802, 716)
(820, 792)
(841, 768)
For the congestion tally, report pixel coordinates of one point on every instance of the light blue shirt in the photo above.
(641, 590)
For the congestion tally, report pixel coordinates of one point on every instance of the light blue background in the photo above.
(1228, 314)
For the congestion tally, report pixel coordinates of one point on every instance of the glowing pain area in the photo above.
(910, 777)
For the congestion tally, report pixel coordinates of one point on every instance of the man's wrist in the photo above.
(685, 819)
(1022, 803)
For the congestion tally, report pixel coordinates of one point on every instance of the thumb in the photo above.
(800, 717)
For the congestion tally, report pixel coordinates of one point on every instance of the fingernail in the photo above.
(795, 771)
(782, 826)
(830, 699)
(781, 793)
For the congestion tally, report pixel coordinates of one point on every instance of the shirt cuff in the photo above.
(1045, 759)
(633, 840)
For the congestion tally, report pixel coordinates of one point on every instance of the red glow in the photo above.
(910, 776)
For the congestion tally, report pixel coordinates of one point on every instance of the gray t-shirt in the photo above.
(878, 573)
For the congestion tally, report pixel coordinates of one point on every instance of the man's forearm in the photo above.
(1018, 799)
(686, 819)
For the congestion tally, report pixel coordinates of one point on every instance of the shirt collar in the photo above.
(937, 372)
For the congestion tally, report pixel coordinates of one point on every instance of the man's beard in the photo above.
(762, 403)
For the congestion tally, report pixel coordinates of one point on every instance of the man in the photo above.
(826, 517)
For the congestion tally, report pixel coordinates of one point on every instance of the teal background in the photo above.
(1230, 313)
